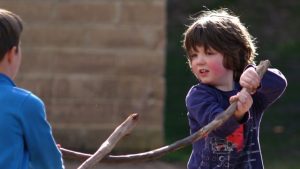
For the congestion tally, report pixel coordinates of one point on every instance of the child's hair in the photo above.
(223, 32)
(11, 27)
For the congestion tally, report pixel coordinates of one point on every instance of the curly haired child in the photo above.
(221, 52)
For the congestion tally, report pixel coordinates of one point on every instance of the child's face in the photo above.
(208, 67)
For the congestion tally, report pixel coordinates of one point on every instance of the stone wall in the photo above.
(94, 63)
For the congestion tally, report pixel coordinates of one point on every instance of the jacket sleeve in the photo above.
(203, 106)
(273, 84)
(42, 149)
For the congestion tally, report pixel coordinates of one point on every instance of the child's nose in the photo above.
(200, 59)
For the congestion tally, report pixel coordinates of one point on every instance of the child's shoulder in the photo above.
(26, 96)
(277, 72)
(20, 93)
(202, 91)
(202, 88)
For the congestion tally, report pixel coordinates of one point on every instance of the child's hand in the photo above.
(250, 79)
(244, 102)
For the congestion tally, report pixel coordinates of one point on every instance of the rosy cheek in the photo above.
(217, 68)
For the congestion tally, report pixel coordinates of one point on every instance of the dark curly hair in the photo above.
(224, 32)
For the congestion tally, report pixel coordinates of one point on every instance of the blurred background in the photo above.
(95, 62)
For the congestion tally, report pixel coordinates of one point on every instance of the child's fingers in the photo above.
(239, 97)
(245, 100)
(233, 99)
(245, 83)
(250, 83)
(250, 79)
(253, 80)
(242, 97)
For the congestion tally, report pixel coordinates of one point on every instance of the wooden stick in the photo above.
(154, 154)
(106, 147)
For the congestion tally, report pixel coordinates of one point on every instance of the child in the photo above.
(219, 48)
(26, 137)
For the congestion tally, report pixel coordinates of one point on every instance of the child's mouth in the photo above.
(203, 71)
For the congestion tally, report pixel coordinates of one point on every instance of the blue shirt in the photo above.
(205, 102)
(26, 139)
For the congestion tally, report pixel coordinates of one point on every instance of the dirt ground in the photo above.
(145, 165)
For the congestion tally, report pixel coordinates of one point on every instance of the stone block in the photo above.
(31, 11)
(82, 111)
(72, 61)
(89, 140)
(123, 37)
(93, 63)
(143, 63)
(86, 12)
(70, 86)
(49, 35)
(79, 61)
(84, 36)
(144, 12)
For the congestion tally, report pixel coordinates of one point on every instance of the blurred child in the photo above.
(26, 139)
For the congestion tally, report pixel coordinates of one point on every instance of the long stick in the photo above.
(154, 154)
(122, 130)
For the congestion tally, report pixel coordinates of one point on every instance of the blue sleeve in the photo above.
(203, 106)
(42, 149)
(273, 84)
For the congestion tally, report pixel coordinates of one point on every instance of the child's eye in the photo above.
(192, 56)
(210, 52)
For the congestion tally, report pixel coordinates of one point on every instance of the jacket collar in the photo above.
(5, 80)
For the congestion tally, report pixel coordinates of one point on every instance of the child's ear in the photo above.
(11, 53)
